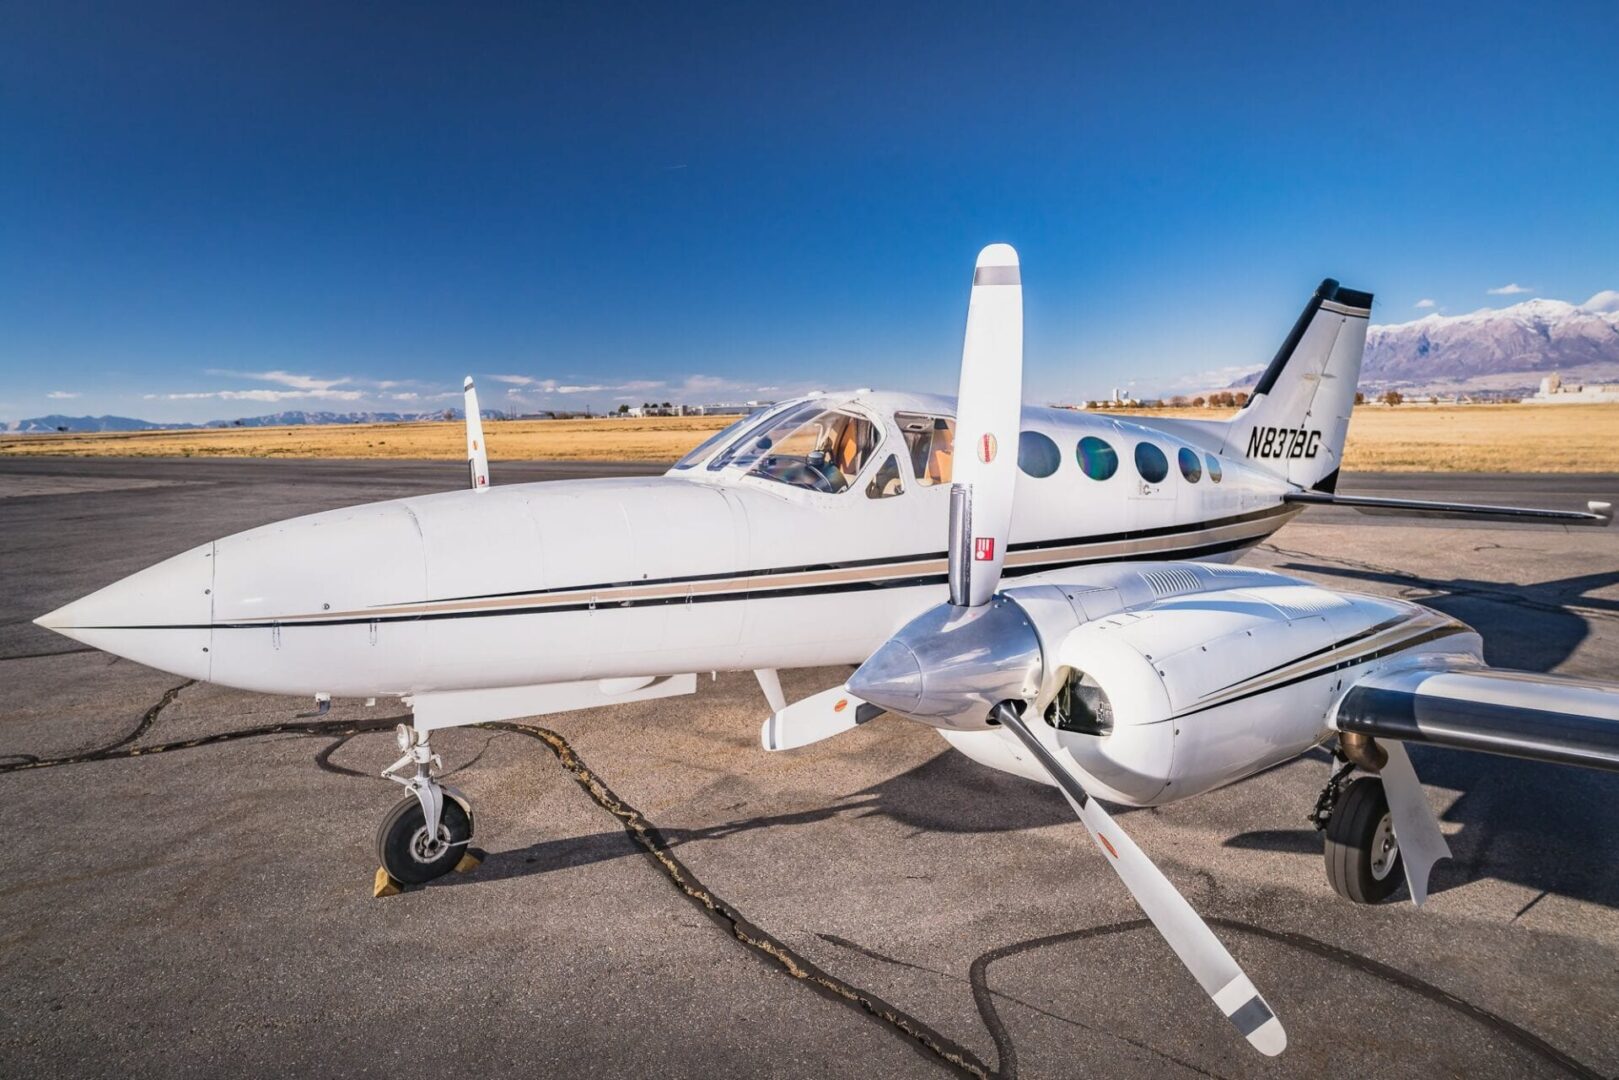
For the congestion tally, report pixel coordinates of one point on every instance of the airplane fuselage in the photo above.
(699, 569)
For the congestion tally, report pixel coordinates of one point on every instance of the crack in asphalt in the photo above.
(935, 1046)
(100, 753)
(765, 946)
(983, 993)
(119, 751)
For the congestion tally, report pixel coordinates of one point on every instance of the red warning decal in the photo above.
(984, 548)
(1107, 845)
(986, 448)
(843, 703)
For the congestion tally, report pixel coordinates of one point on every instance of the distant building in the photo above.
(743, 408)
(1121, 399)
(1553, 392)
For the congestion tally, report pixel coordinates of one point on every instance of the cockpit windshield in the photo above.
(808, 446)
(730, 431)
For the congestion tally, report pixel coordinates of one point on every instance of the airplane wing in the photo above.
(1459, 704)
(1597, 513)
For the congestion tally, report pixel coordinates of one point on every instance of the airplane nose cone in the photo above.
(891, 678)
(161, 617)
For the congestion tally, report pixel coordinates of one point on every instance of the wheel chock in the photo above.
(385, 885)
(470, 861)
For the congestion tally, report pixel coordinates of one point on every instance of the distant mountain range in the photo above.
(1500, 350)
(56, 423)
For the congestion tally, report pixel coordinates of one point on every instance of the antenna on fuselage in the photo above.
(477, 452)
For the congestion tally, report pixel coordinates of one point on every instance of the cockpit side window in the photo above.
(886, 482)
(812, 447)
(930, 441)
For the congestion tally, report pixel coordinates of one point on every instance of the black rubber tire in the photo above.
(396, 838)
(1350, 836)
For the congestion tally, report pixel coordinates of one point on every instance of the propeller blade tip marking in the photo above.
(997, 275)
(1251, 1015)
(998, 255)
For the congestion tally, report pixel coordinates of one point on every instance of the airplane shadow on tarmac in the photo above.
(947, 793)
(1550, 828)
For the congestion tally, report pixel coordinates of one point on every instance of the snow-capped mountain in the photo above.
(55, 423)
(1494, 350)
(1499, 348)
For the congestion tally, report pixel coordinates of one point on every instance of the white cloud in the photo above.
(61, 395)
(260, 395)
(1213, 379)
(641, 384)
(308, 383)
(1512, 289)
(583, 389)
(515, 380)
(1606, 300)
(1424, 303)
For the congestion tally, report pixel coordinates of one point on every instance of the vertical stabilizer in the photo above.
(1296, 419)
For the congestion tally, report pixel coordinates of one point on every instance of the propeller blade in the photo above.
(989, 407)
(477, 452)
(1208, 961)
(821, 716)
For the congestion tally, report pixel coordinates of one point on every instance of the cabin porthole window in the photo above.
(1097, 459)
(1191, 467)
(1037, 455)
(1151, 463)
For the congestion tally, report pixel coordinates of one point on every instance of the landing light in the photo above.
(404, 737)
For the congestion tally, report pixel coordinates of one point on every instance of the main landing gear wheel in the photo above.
(408, 854)
(1363, 857)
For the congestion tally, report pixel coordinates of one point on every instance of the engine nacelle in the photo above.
(1167, 680)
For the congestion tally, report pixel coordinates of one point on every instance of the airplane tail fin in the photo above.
(1298, 414)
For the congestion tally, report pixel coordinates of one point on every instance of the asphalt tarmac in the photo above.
(186, 884)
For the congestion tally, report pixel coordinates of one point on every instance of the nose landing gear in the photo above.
(427, 833)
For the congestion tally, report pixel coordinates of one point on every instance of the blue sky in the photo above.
(221, 210)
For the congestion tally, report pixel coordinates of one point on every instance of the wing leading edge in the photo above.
(1599, 514)
(1518, 714)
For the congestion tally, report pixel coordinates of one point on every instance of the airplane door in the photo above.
(1152, 484)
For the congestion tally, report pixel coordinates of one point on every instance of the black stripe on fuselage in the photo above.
(1327, 669)
(1386, 624)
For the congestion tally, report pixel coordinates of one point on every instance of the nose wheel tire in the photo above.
(408, 854)
(1363, 856)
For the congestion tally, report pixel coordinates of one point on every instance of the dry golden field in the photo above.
(1511, 438)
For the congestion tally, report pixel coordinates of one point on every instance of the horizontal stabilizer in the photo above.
(1597, 513)
(1519, 714)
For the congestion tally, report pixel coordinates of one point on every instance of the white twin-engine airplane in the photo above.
(1122, 658)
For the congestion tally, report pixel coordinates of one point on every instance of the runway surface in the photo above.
(186, 885)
